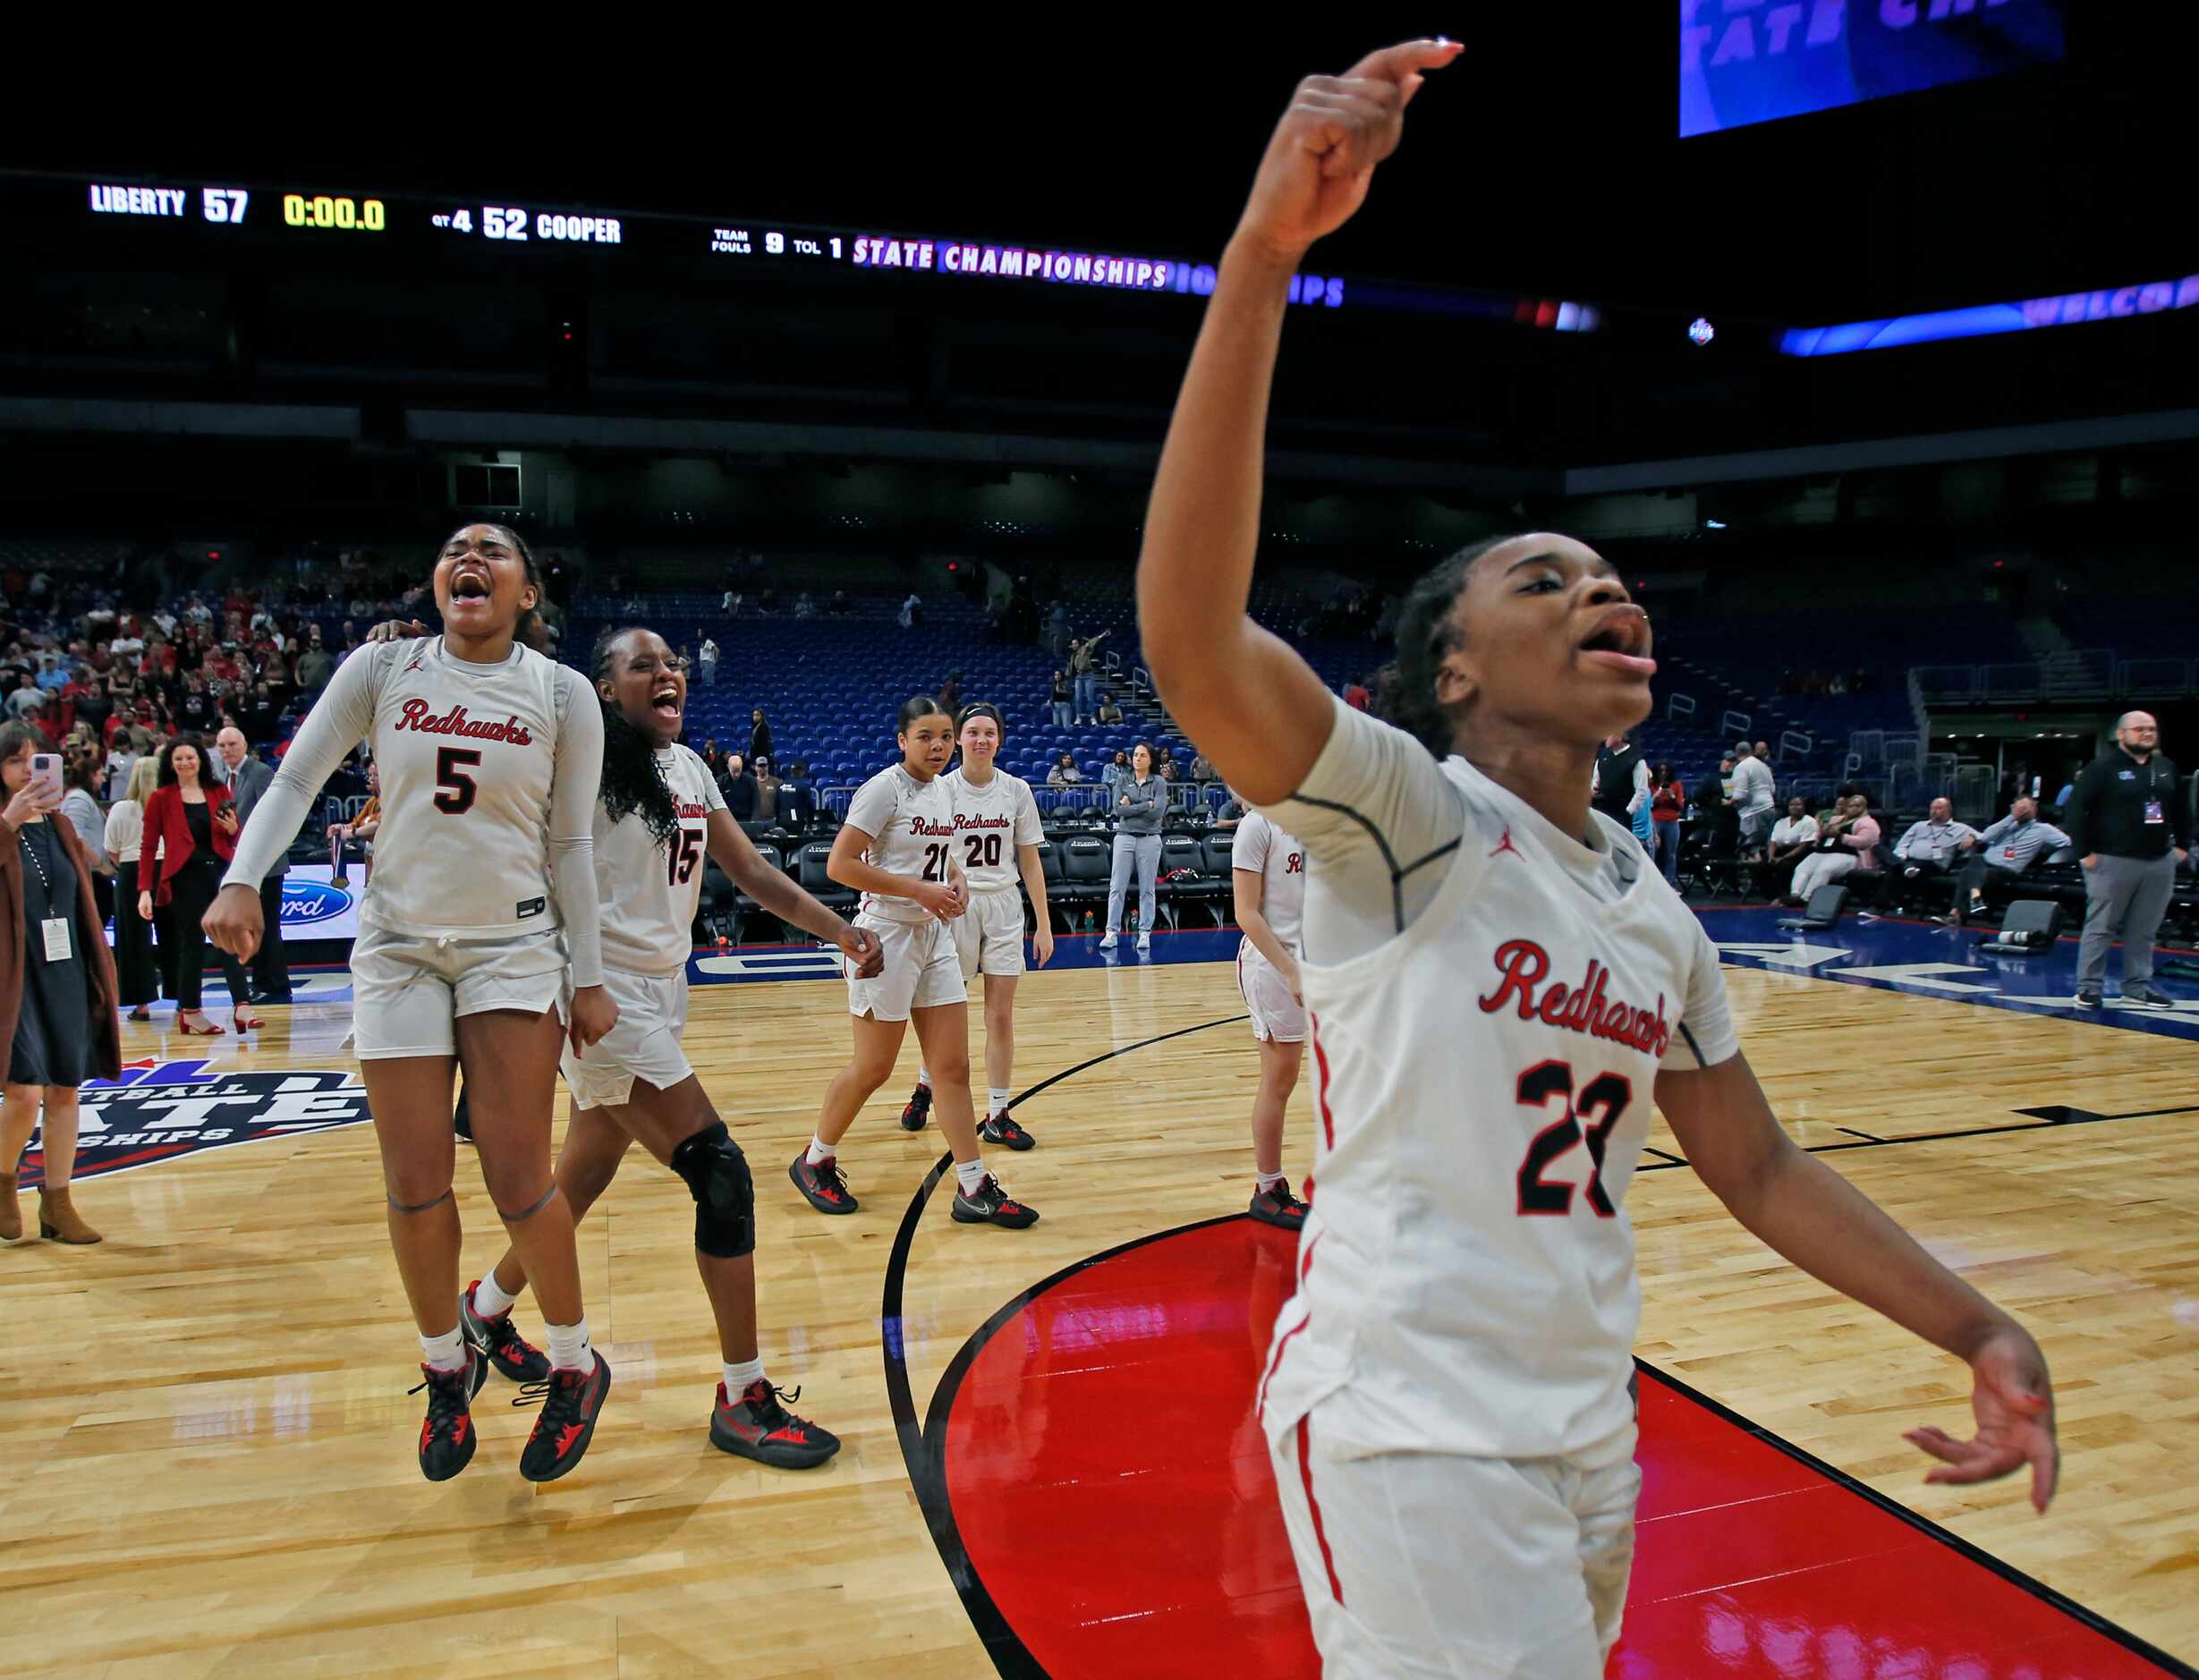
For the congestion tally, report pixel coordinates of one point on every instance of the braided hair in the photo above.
(634, 782)
(1426, 633)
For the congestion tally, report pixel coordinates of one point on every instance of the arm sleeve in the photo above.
(578, 780)
(338, 722)
(1249, 850)
(1029, 830)
(82, 811)
(1641, 786)
(1901, 846)
(2078, 818)
(1863, 836)
(126, 828)
(2058, 841)
(713, 797)
(872, 809)
(1380, 816)
(1704, 1035)
(1994, 831)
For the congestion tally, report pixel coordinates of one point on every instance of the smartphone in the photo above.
(46, 777)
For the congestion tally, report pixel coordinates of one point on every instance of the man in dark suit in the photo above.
(248, 779)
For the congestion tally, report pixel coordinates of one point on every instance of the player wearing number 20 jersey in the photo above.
(992, 823)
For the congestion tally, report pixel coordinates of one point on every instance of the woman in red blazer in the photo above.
(190, 832)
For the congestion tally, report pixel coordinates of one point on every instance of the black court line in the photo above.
(923, 1449)
(2051, 1118)
(1924, 1525)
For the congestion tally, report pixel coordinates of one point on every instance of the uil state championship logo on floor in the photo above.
(159, 1111)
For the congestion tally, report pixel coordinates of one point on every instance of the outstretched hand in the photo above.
(398, 629)
(1315, 171)
(2013, 1399)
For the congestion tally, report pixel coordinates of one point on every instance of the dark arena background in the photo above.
(1863, 344)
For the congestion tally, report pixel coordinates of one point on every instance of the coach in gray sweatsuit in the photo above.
(1140, 801)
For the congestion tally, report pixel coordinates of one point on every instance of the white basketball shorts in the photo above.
(1436, 1564)
(1276, 1014)
(988, 937)
(409, 989)
(645, 1044)
(922, 969)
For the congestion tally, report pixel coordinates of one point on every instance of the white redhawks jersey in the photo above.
(1483, 1081)
(989, 823)
(1279, 861)
(649, 891)
(912, 829)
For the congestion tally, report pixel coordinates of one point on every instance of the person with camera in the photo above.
(57, 992)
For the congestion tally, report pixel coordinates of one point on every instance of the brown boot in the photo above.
(11, 1216)
(58, 1219)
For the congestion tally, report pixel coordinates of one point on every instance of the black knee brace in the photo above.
(717, 1176)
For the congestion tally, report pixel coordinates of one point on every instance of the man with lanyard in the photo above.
(2008, 845)
(2131, 832)
(1929, 847)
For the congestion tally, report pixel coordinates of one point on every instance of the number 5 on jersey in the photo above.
(455, 790)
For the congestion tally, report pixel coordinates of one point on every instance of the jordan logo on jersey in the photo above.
(1505, 845)
(419, 716)
(1521, 965)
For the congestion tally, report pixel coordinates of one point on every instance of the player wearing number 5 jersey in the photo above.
(897, 848)
(659, 815)
(1497, 983)
(484, 894)
(997, 837)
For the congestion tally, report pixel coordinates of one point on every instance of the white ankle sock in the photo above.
(569, 1348)
(446, 1351)
(923, 1077)
(738, 1378)
(997, 1096)
(820, 1151)
(970, 1174)
(1269, 1181)
(489, 1301)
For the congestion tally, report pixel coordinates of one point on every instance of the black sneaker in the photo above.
(2088, 997)
(823, 1184)
(1000, 1128)
(566, 1422)
(919, 1108)
(447, 1439)
(1278, 1208)
(2138, 995)
(990, 1204)
(759, 1426)
(496, 1341)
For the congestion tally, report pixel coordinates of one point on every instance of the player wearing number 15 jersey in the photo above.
(489, 756)
(898, 849)
(1497, 983)
(996, 839)
(659, 815)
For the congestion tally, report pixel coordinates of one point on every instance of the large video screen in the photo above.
(1757, 60)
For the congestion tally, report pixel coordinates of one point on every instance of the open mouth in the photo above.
(470, 585)
(665, 703)
(1621, 637)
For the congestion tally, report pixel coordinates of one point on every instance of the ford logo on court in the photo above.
(305, 902)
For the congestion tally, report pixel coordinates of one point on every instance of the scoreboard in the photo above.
(191, 223)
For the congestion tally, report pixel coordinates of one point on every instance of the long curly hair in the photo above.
(634, 782)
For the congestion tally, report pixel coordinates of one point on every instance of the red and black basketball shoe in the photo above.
(757, 1426)
(1278, 1208)
(990, 1204)
(1000, 1128)
(511, 1357)
(571, 1399)
(823, 1184)
(918, 1107)
(447, 1439)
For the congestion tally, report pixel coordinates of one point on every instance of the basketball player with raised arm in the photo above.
(659, 815)
(997, 826)
(478, 945)
(1268, 870)
(1497, 982)
(898, 849)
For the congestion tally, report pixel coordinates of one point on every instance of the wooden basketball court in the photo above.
(208, 1444)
